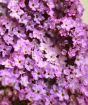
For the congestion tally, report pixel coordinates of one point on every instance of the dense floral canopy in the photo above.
(43, 53)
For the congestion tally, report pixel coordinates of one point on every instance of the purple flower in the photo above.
(34, 4)
(19, 61)
(24, 81)
(37, 73)
(68, 23)
(5, 50)
(43, 53)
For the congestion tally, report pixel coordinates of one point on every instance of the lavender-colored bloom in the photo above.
(34, 4)
(24, 81)
(19, 61)
(43, 53)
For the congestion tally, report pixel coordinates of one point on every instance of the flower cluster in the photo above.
(43, 53)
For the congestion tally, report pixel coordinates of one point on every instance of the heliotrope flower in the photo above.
(43, 53)
(24, 81)
(19, 61)
(34, 4)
